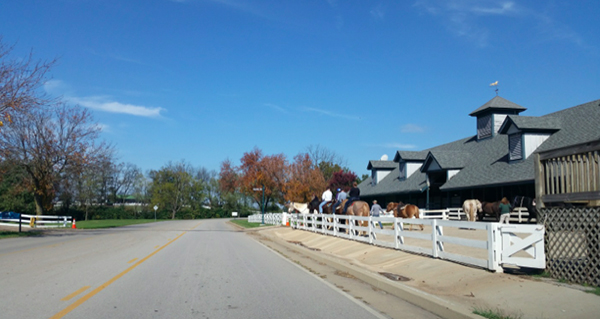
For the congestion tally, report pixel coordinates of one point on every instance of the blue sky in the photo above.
(207, 80)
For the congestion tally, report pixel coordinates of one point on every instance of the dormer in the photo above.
(409, 162)
(440, 166)
(492, 114)
(526, 134)
(380, 169)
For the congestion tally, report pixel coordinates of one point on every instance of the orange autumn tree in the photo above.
(228, 177)
(257, 170)
(305, 180)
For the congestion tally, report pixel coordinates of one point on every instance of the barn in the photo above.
(493, 163)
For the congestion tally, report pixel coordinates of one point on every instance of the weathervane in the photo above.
(495, 85)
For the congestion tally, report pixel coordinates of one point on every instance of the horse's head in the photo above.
(478, 205)
(391, 206)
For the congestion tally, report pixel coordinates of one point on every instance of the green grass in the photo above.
(109, 223)
(11, 234)
(595, 291)
(244, 223)
(494, 314)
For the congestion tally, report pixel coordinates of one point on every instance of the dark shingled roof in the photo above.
(530, 123)
(410, 155)
(388, 165)
(448, 159)
(485, 162)
(498, 103)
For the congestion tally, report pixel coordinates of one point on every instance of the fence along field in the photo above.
(488, 245)
(34, 221)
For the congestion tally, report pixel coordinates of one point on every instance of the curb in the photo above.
(431, 303)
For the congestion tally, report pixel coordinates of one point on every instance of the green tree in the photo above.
(174, 187)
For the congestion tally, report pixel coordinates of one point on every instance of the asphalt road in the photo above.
(178, 269)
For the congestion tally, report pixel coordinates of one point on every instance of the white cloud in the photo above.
(463, 18)
(104, 128)
(104, 104)
(332, 114)
(56, 87)
(99, 103)
(378, 12)
(398, 146)
(412, 128)
(276, 107)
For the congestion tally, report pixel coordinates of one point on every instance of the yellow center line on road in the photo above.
(69, 297)
(134, 259)
(106, 284)
(196, 226)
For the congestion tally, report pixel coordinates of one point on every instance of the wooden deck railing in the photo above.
(570, 174)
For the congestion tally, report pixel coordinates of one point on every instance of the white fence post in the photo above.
(371, 232)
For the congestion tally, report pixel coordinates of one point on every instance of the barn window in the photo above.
(515, 146)
(373, 177)
(484, 126)
(402, 174)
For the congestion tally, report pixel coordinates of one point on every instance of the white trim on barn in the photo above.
(532, 141)
(451, 173)
(498, 120)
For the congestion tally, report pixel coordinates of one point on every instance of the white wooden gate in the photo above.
(532, 245)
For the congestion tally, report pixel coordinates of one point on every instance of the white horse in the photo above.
(471, 207)
(302, 208)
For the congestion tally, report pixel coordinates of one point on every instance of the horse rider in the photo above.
(326, 197)
(339, 198)
(354, 195)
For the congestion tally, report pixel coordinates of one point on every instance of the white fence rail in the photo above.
(481, 244)
(270, 218)
(37, 221)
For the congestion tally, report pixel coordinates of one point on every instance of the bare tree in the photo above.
(319, 154)
(20, 81)
(326, 160)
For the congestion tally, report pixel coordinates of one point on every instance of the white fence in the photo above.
(270, 218)
(38, 221)
(482, 244)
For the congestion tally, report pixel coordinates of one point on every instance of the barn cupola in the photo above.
(491, 115)
(380, 169)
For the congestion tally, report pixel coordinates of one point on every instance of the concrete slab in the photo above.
(460, 286)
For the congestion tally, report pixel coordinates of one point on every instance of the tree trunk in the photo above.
(39, 203)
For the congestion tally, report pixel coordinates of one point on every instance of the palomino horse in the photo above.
(302, 208)
(471, 207)
(358, 208)
(407, 211)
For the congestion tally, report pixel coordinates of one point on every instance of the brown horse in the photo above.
(391, 206)
(358, 208)
(407, 211)
(489, 209)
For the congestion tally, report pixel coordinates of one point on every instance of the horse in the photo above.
(489, 209)
(357, 208)
(313, 205)
(327, 209)
(302, 208)
(407, 211)
(527, 202)
(471, 207)
(391, 206)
